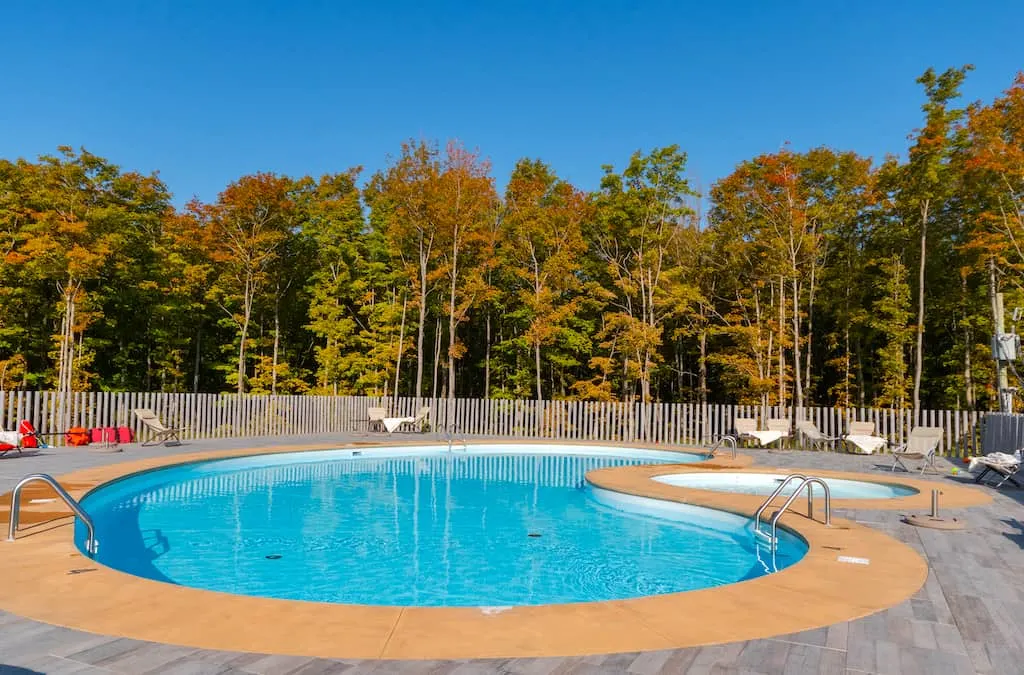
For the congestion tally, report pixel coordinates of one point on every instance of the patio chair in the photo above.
(375, 417)
(9, 440)
(746, 428)
(161, 432)
(810, 433)
(392, 424)
(861, 435)
(922, 442)
(1005, 467)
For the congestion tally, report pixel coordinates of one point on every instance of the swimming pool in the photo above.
(766, 483)
(494, 526)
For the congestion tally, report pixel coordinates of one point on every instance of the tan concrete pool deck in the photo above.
(47, 579)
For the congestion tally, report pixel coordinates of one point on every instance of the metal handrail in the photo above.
(807, 482)
(90, 544)
(731, 440)
(449, 432)
(764, 505)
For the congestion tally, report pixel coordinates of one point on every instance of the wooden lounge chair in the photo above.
(161, 432)
(922, 442)
(810, 433)
(375, 418)
(861, 435)
(392, 424)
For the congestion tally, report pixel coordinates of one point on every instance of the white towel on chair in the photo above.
(864, 443)
(765, 437)
(392, 423)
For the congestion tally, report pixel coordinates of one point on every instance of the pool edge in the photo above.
(42, 585)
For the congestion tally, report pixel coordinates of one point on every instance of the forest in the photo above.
(818, 277)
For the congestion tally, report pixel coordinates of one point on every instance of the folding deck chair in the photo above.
(161, 432)
(810, 432)
(1006, 470)
(861, 435)
(922, 442)
(392, 424)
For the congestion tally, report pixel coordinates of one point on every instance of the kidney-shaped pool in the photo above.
(495, 525)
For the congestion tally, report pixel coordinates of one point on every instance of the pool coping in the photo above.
(47, 579)
(639, 479)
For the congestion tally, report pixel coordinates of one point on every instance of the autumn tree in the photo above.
(250, 223)
(543, 244)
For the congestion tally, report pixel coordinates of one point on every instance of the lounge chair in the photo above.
(922, 442)
(1005, 467)
(810, 433)
(746, 428)
(392, 424)
(375, 417)
(861, 435)
(161, 432)
(9, 440)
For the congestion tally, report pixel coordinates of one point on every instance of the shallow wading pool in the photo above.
(766, 483)
(494, 525)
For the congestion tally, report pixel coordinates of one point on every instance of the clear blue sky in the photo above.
(206, 91)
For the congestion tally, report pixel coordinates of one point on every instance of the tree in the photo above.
(924, 182)
(543, 244)
(250, 223)
(638, 216)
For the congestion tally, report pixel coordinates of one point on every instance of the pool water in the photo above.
(766, 483)
(496, 526)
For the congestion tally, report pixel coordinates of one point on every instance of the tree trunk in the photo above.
(487, 358)
(401, 343)
(198, 361)
(536, 366)
(919, 355)
(241, 352)
(703, 367)
(277, 346)
(421, 328)
(798, 385)
(437, 356)
(451, 318)
(810, 333)
(782, 353)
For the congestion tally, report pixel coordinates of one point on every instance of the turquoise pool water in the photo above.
(496, 526)
(766, 483)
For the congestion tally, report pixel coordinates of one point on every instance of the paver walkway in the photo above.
(968, 618)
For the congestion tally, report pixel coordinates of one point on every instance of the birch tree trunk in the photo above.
(401, 343)
(919, 355)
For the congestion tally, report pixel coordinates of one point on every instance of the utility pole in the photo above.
(1004, 346)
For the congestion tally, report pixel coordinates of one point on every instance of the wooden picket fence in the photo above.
(207, 416)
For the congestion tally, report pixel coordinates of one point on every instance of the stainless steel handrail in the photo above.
(450, 431)
(731, 440)
(90, 544)
(808, 483)
(764, 505)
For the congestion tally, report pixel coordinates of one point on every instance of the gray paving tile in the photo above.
(966, 618)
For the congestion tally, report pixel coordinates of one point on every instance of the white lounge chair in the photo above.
(161, 432)
(922, 442)
(375, 417)
(810, 433)
(392, 424)
(1005, 467)
(746, 428)
(861, 435)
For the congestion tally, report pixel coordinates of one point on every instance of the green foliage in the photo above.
(796, 281)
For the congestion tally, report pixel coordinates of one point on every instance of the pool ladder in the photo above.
(449, 432)
(723, 440)
(90, 543)
(805, 482)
